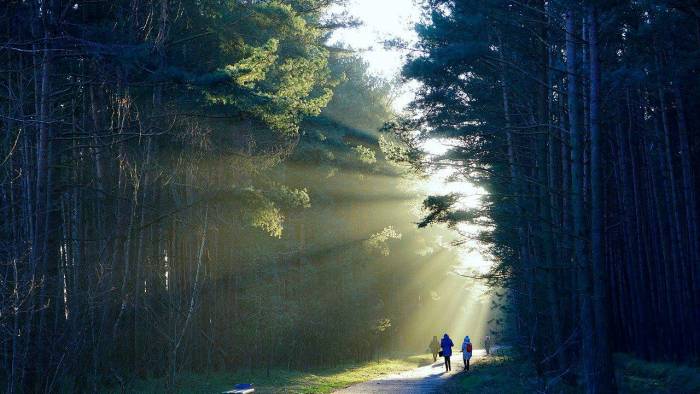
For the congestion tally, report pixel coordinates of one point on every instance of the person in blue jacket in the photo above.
(446, 345)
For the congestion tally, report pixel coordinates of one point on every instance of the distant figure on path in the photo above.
(434, 347)
(446, 345)
(487, 345)
(466, 352)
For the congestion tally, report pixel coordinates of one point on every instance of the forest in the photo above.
(212, 185)
(197, 186)
(578, 119)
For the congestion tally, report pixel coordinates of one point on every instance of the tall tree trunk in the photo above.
(676, 287)
(545, 177)
(690, 266)
(515, 188)
(579, 255)
(604, 378)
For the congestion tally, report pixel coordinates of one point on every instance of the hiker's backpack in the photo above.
(469, 348)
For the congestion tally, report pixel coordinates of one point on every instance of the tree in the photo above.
(574, 200)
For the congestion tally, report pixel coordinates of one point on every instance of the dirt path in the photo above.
(427, 379)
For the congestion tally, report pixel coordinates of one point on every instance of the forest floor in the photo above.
(324, 380)
(503, 374)
(638, 376)
(498, 373)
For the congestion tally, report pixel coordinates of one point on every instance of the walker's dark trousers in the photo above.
(448, 366)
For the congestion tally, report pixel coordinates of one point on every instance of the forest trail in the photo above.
(426, 379)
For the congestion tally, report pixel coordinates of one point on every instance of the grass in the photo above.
(505, 375)
(495, 374)
(637, 376)
(284, 381)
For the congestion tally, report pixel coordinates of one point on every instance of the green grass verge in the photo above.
(283, 381)
(495, 374)
(644, 377)
(506, 375)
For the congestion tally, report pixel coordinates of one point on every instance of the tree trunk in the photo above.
(604, 379)
(579, 256)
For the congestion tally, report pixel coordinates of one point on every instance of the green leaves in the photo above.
(442, 209)
(297, 88)
(365, 154)
(378, 242)
(290, 198)
(263, 61)
(255, 66)
(263, 209)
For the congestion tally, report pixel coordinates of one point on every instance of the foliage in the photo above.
(279, 77)
(189, 186)
(588, 151)
(378, 241)
(365, 154)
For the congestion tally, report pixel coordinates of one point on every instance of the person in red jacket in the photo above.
(466, 352)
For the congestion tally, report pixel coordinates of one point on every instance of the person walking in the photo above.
(446, 345)
(487, 344)
(434, 347)
(466, 352)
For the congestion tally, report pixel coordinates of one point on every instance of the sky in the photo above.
(381, 20)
